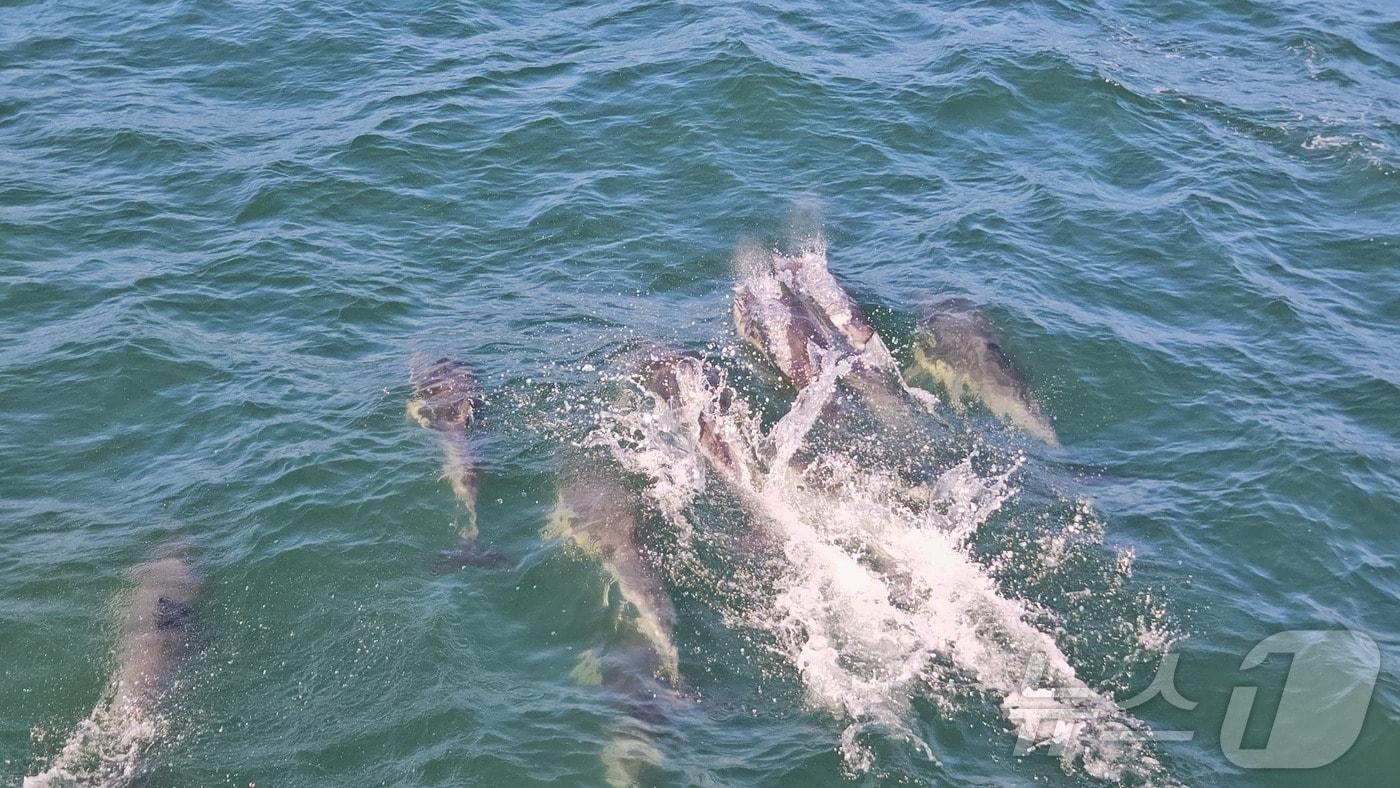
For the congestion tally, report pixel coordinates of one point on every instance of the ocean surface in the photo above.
(227, 228)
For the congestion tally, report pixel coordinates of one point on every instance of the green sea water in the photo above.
(226, 227)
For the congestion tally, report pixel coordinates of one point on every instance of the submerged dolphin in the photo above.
(645, 702)
(156, 629)
(592, 512)
(957, 347)
(640, 668)
(445, 400)
(156, 632)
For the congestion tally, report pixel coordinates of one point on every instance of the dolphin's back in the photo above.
(157, 628)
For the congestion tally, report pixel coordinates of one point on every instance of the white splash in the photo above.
(104, 749)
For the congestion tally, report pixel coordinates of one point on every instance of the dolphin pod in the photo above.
(797, 316)
(594, 516)
(790, 309)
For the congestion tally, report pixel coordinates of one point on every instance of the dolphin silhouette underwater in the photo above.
(957, 347)
(157, 626)
(593, 514)
(446, 400)
(639, 666)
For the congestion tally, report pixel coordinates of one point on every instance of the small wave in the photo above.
(1324, 142)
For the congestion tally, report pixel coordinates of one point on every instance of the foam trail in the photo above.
(924, 596)
(876, 588)
(105, 748)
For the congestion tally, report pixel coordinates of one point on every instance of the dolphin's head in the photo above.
(675, 378)
(444, 395)
(953, 326)
(776, 323)
(753, 281)
(698, 392)
(746, 319)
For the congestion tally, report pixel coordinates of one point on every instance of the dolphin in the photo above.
(645, 702)
(157, 629)
(640, 669)
(468, 553)
(795, 313)
(721, 427)
(956, 346)
(446, 400)
(592, 512)
(792, 311)
(717, 420)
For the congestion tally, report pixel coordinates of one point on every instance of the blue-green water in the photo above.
(225, 227)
